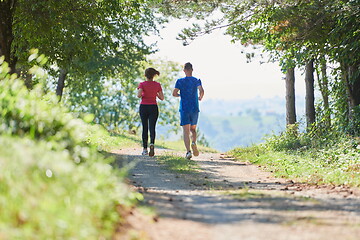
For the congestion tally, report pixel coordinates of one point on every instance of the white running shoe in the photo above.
(145, 152)
(188, 155)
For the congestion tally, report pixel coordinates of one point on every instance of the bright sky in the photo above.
(222, 67)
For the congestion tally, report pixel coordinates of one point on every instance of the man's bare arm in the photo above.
(202, 92)
(176, 92)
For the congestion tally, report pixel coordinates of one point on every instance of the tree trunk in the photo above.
(290, 96)
(351, 78)
(28, 81)
(7, 8)
(61, 83)
(353, 83)
(309, 98)
(324, 89)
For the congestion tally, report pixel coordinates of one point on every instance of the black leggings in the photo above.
(149, 115)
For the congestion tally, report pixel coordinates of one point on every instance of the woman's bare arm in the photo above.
(160, 95)
(139, 93)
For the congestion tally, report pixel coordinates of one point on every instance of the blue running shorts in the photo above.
(189, 118)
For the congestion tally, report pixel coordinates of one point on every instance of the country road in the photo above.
(231, 200)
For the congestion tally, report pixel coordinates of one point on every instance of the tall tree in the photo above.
(344, 48)
(7, 9)
(297, 30)
(72, 32)
(323, 83)
(310, 97)
(61, 83)
(290, 96)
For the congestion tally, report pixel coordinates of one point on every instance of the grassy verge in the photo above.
(336, 165)
(99, 137)
(178, 164)
(187, 169)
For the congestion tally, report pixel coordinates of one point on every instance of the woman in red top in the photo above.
(149, 111)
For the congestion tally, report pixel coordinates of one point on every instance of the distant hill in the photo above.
(227, 124)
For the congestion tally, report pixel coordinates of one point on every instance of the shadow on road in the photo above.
(207, 197)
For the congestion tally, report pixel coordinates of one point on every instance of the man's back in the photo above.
(188, 87)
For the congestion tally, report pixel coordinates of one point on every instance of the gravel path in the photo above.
(230, 200)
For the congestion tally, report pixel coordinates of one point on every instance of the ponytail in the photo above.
(151, 72)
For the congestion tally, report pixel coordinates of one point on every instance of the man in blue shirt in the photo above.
(189, 87)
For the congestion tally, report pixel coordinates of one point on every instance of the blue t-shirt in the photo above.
(189, 101)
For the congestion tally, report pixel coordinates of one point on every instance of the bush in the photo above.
(45, 195)
(288, 140)
(37, 116)
(53, 183)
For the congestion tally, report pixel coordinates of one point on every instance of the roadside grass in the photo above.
(189, 170)
(335, 165)
(178, 164)
(244, 194)
(105, 141)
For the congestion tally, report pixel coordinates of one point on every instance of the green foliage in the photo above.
(97, 39)
(169, 73)
(112, 101)
(186, 9)
(22, 114)
(288, 140)
(344, 36)
(110, 33)
(54, 179)
(293, 32)
(201, 140)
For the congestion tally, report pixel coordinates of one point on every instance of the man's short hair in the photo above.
(188, 66)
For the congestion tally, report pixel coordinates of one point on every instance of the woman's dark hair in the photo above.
(151, 72)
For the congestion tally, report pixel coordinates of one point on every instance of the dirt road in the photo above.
(230, 200)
